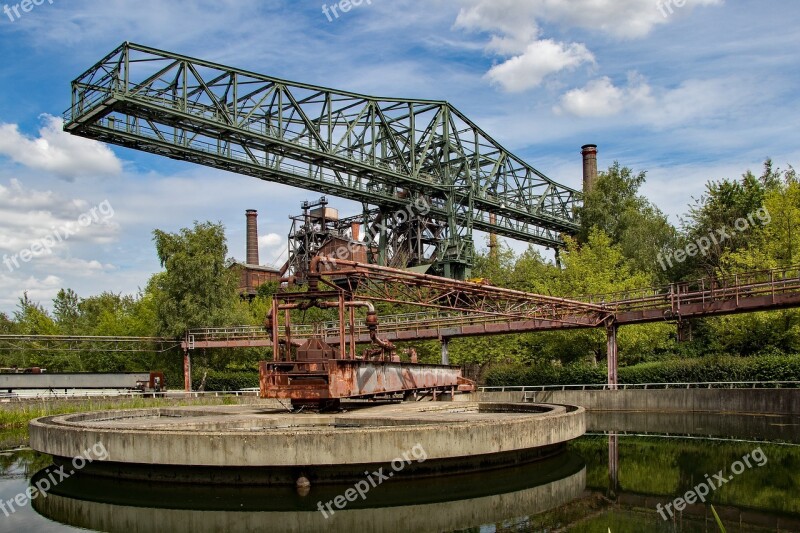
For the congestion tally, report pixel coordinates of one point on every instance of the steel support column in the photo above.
(187, 371)
(445, 351)
(611, 349)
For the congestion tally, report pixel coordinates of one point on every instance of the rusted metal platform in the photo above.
(325, 382)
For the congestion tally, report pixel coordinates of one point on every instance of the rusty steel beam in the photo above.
(383, 284)
(740, 293)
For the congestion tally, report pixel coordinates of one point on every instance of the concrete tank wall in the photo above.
(761, 401)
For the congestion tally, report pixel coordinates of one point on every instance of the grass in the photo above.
(719, 522)
(14, 417)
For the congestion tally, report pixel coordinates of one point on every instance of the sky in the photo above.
(687, 90)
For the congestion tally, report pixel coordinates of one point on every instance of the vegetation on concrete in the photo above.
(14, 417)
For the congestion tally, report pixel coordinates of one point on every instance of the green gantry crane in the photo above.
(396, 155)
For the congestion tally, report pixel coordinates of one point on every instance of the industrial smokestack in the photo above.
(252, 237)
(589, 152)
(355, 230)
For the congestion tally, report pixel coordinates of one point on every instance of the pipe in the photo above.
(370, 307)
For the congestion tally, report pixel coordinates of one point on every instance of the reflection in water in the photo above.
(613, 465)
(769, 428)
(436, 504)
(642, 472)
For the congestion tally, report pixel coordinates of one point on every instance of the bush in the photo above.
(725, 369)
(225, 381)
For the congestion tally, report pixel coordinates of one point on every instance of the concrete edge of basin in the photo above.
(508, 438)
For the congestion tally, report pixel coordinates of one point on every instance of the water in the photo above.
(613, 478)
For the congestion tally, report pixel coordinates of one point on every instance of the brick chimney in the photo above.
(589, 152)
(252, 237)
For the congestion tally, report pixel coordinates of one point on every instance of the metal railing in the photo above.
(111, 395)
(649, 386)
(706, 290)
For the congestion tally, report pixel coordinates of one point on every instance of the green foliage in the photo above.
(699, 370)
(268, 289)
(31, 318)
(66, 311)
(724, 202)
(596, 267)
(7, 326)
(197, 289)
(615, 208)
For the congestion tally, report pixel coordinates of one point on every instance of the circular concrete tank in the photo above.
(459, 502)
(258, 445)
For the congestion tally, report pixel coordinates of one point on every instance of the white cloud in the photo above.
(58, 152)
(601, 98)
(270, 240)
(30, 216)
(516, 26)
(540, 59)
(39, 289)
(272, 248)
(511, 22)
(637, 100)
(516, 21)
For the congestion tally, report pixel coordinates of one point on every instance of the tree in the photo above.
(196, 288)
(715, 214)
(7, 326)
(66, 312)
(773, 242)
(32, 319)
(640, 229)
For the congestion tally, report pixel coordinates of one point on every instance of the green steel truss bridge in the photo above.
(383, 152)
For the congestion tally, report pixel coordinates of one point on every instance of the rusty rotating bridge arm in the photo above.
(383, 284)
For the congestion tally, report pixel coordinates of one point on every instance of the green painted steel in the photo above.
(385, 152)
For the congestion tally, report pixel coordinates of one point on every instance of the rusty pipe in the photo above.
(355, 303)
(372, 324)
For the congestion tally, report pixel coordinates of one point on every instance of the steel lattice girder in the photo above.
(382, 284)
(379, 151)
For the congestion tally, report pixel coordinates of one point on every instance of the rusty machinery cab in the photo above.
(321, 371)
